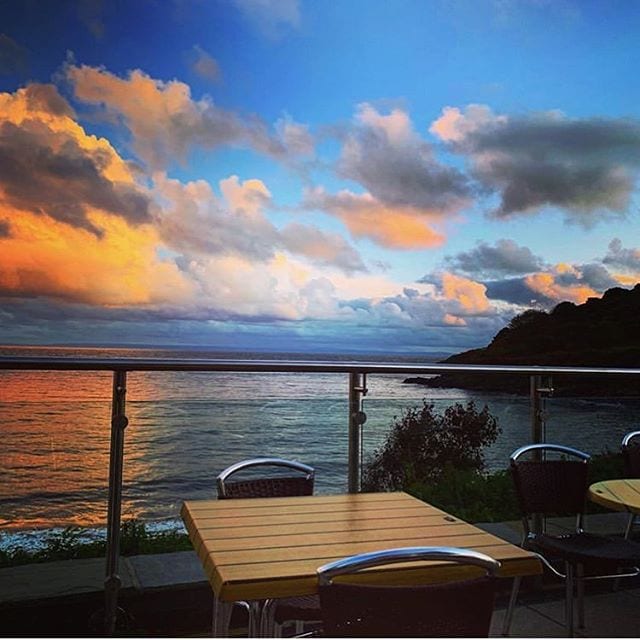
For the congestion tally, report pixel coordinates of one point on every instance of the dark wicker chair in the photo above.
(298, 481)
(546, 487)
(461, 608)
(631, 460)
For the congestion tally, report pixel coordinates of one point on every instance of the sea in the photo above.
(185, 427)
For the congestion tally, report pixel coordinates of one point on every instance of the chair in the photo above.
(631, 460)
(547, 487)
(461, 608)
(298, 481)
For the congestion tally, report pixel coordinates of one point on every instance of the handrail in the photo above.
(357, 371)
(273, 366)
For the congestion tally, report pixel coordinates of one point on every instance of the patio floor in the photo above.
(167, 596)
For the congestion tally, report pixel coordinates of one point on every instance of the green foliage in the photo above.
(477, 497)
(423, 444)
(471, 496)
(68, 544)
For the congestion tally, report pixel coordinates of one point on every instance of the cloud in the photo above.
(557, 283)
(385, 155)
(193, 220)
(585, 167)
(205, 65)
(50, 166)
(46, 257)
(13, 57)
(621, 258)
(165, 122)
(400, 228)
(504, 258)
(323, 249)
(271, 17)
(91, 14)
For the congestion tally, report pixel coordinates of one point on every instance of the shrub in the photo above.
(423, 444)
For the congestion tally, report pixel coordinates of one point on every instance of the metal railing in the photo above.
(540, 387)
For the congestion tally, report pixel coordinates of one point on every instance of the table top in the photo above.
(271, 547)
(619, 495)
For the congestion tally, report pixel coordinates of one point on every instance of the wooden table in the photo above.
(253, 549)
(619, 495)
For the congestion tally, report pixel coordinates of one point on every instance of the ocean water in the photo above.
(184, 428)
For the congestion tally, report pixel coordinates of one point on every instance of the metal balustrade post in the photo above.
(357, 417)
(119, 422)
(537, 392)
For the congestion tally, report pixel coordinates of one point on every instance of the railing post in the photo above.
(357, 417)
(119, 422)
(538, 427)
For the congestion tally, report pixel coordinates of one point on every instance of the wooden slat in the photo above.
(620, 495)
(209, 529)
(313, 537)
(272, 547)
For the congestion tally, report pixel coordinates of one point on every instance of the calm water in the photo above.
(186, 427)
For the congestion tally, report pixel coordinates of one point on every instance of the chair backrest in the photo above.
(550, 486)
(461, 608)
(631, 454)
(268, 485)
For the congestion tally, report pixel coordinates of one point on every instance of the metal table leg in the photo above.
(221, 617)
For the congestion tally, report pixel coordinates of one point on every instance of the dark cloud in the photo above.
(594, 275)
(516, 291)
(5, 229)
(621, 258)
(45, 97)
(48, 172)
(397, 166)
(13, 57)
(586, 167)
(505, 258)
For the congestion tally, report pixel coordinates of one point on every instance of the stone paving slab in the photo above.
(54, 579)
(166, 570)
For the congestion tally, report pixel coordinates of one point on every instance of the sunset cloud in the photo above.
(587, 167)
(47, 257)
(166, 123)
(402, 228)
(50, 166)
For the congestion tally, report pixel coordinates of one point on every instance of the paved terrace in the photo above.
(168, 595)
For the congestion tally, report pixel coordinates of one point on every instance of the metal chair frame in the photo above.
(353, 564)
(260, 462)
(573, 576)
(261, 615)
(626, 444)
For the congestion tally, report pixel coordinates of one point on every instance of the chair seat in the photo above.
(588, 548)
(305, 608)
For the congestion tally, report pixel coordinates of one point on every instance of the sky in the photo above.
(347, 176)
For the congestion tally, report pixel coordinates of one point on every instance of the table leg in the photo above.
(221, 617)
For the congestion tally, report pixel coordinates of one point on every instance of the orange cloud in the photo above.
(546, 284)
(42, 256)
(367, 217)
(470, 295)
(75, 225)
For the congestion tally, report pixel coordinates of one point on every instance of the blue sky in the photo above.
(392, 176)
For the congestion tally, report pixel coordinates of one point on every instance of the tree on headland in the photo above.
(602, 332)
